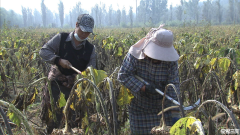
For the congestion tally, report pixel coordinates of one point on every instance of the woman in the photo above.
(154, 59)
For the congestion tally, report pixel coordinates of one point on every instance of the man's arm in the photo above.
(50, 50)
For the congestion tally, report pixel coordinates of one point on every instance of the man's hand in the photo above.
(64, 63)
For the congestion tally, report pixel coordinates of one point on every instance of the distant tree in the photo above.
(219, 11)
(131, 16)
(78, 8)
(207, 12)
(236, 9)
(76, 11)
(70, 17)
(61, 13)
(230, 10)
(49, 17)
(192, 8)
(136, 7)
(118, 17)
(12, 14)
(124, 21)
(56, 19)
(37, 18)
(153, 10)
(141, 16)
(161, 9)
(179, 11)
(103, 19)
(96, 11)
(24, 15)
(110, 11)
(44, 13)
(3, 14)
(171, 12)
(100, 13)
(10, 18)
(29, 17)
(147, 12)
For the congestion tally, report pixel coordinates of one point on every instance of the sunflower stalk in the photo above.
(113, 102)
(67, 106)
(223, 107)
(52, 102)
(6, 121)
(27, 91)
(18, 114)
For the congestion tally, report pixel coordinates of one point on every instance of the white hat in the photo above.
(158, 44)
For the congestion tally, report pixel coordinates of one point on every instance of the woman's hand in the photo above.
(143, 88)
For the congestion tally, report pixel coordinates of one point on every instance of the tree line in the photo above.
(148, 13)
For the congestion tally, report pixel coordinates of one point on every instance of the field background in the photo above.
(208, 69)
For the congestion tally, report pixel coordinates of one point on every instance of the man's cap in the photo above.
(86, 22)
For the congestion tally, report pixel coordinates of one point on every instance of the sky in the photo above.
(16, 5)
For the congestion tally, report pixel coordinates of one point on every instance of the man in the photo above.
(154, 59)
(62, 51)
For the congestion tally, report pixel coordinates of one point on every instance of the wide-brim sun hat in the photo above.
(86, 22)
(158, 44)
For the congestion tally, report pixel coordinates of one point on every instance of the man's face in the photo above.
(82, 34)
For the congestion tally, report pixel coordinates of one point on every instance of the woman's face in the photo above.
(154, 61)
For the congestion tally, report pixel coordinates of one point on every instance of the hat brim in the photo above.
(86, 29)
(161, 53)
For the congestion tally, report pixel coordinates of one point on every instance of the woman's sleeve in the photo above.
(173, 78)
(126, 74)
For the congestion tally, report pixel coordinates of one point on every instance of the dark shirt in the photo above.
(49, 52)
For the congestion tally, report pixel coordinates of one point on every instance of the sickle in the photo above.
(168, 97)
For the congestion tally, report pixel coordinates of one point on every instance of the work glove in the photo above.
(150, 89)
(64, 63)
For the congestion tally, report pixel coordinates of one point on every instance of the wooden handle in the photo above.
(75, 69)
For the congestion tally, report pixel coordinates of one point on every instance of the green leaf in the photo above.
(232, 53)
(197, 63)
(182, 58)
(104, 43)
(33, 57)
(99, 75)
(18, 54)
(33, 70)
(198, 48)
(14, 118)
(3, 51)
(224, 63)
(62, 100)
(120, 51)
(124, 97)
(236, 40)
(212, 62)
(236, 77)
